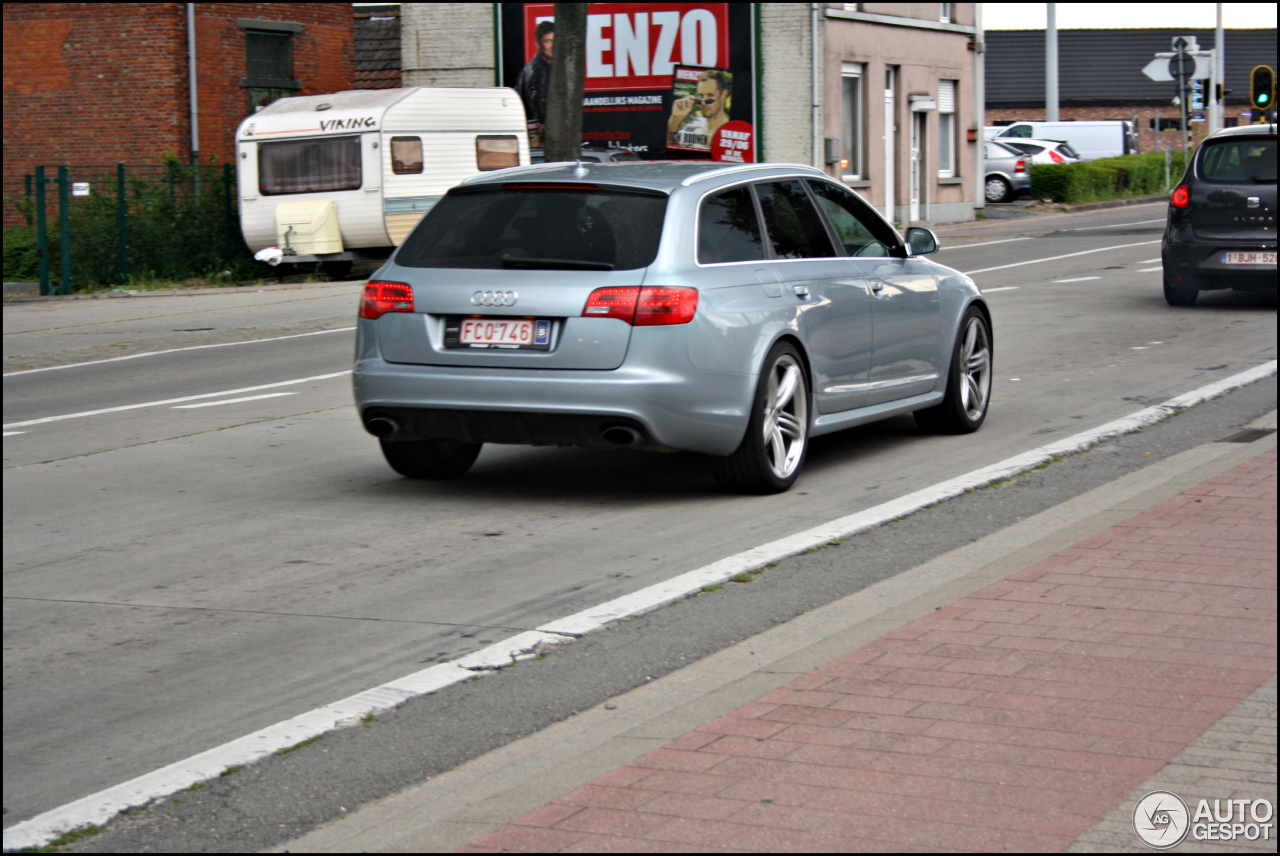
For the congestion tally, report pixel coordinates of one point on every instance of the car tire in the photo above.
(998, 190)
(1179, 295)
(772, 453)
(430, 459)
(968, 397)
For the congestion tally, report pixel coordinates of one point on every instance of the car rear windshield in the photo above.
(1243, 159)
(551, 227)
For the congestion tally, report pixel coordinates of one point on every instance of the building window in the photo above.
(851, 7)
(268, 63)
(946, 128)
(853, 121)
(944, 13)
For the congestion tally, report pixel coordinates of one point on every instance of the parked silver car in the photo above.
(1006, 172)
(1043, 151)
(735, 311)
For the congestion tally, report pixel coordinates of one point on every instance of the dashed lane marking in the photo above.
(231, 400)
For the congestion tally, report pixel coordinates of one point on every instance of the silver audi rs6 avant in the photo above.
(735, 311)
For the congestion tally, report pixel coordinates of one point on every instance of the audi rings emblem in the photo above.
(494, 298)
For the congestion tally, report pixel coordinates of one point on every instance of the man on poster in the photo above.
(686, 131)
(535, 81)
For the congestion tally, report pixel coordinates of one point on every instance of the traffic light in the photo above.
(1262, 87)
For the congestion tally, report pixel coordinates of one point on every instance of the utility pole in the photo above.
(563, 140)
(1219, 64)
(1051, 65)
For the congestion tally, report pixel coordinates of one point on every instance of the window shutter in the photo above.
(946, 96)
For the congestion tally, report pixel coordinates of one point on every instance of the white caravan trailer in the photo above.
(345, 176)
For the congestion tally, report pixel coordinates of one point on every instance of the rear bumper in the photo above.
(656, 391)
(1191, 262)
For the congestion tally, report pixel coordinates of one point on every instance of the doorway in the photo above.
(918, 126)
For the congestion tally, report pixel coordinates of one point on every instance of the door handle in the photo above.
(801, 290)
(877, 286)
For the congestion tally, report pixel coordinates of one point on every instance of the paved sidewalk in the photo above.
(1027, 715)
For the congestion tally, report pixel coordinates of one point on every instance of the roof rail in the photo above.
(716, 173)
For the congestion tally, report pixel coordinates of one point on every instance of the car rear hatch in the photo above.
(1233, 193)
(502, 274)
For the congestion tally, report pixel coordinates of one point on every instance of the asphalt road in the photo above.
(177, 577)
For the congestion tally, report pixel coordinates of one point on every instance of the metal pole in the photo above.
(195, 111)
(42, 232)
(815, 86)
(122, 223)
(64, 226)
(1219, 70)
(1051, 66)
(1157, 148)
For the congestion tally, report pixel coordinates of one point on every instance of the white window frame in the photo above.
(853, 128)
(947, 129)
(944, 12)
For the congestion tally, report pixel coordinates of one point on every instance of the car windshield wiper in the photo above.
(553, 264)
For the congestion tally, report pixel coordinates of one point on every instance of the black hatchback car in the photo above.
(1221, 228)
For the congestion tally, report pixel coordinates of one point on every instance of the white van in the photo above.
(1093, 140)
(345, 176)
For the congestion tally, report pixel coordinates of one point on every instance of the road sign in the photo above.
(1182, 67)
(1184, 43)
(1158, 68)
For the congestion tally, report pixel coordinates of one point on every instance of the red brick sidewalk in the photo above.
(1013, 719)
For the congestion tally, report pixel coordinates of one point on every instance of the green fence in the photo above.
(89, 227)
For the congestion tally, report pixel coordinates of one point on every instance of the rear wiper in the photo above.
(553, 264)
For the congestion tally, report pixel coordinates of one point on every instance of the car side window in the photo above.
(728, 228)
(859, 230)
(795, 229)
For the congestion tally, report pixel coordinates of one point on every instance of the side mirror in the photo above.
(921, 242)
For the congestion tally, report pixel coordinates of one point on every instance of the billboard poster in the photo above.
(663, 80)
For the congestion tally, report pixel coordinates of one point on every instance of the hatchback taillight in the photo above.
(1020, 166)
(1181, 197)
(382, 297)
(643, 307)
(1055, 157)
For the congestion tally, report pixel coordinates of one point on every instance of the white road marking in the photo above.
(1077, 279)
(173, 400)
(982, 244)
(231, 400)
(1055, 258)
(1117, 225)
(1002, 288)
(175, 350)
(11, 433)
(1150, 270)
(1147, 261)
(100, 807)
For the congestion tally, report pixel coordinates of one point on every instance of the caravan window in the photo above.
(497, 152)
(309, 166)
(406, 155)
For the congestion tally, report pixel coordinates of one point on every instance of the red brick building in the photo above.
(92, 84)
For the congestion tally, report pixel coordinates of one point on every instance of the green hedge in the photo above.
(1105, 178)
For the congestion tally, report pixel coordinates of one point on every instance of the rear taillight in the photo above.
(1020, 166)
(1055, 157)
(1181, 197)
(382, 297)
(661, 305)
(644, 307)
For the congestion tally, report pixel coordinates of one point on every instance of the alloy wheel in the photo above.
(786, 416)
(975, 369)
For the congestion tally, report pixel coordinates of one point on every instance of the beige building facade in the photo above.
(882, 96)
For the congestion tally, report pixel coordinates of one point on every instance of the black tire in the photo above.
(998, 190)
(430, 459)
(968, 397)
(772, 453)
(1179, 295)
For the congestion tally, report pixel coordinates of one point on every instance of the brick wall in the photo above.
(93, 84)
(787, 85)
(447, 44)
